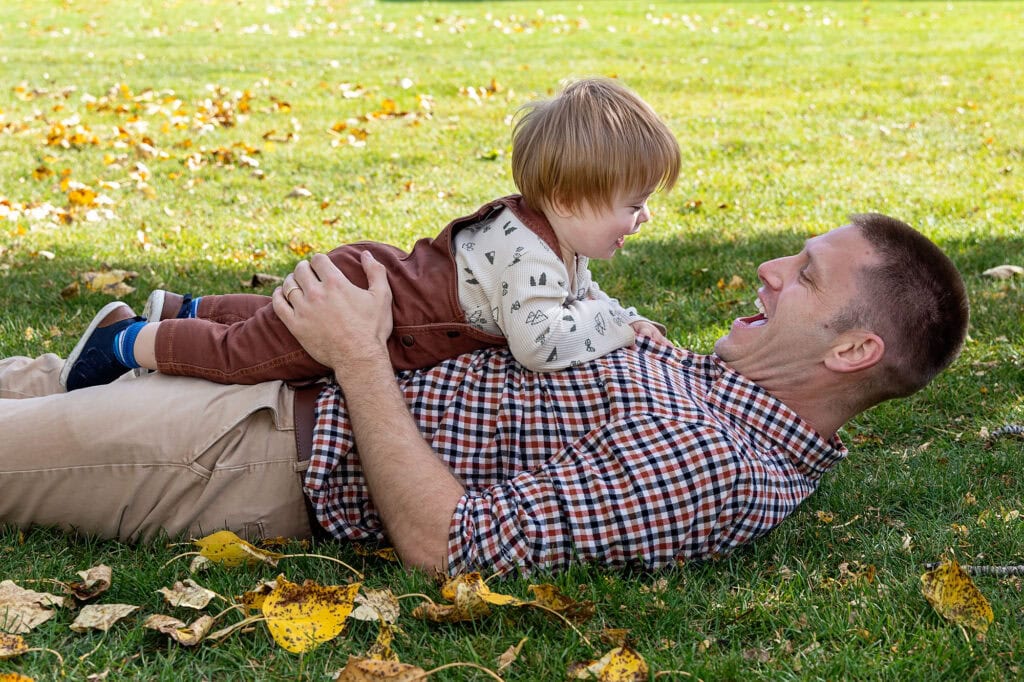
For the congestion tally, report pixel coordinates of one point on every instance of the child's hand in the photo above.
(645, 328)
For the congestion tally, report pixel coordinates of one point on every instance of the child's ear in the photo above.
(855, 350)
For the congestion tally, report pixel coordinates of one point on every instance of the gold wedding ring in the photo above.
(288, 294)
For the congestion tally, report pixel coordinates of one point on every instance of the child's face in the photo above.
(598, 232)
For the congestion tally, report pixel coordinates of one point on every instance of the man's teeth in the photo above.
(760, 307)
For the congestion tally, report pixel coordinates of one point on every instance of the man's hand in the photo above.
(337, 322)
(346, 328)
(645, 328)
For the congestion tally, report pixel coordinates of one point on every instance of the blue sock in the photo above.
(124, 345)
(193, 307)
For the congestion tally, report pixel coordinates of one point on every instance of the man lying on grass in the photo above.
(649, 455)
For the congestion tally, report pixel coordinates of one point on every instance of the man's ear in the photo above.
(854, 351)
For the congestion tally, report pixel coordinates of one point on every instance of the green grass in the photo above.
(790, 117)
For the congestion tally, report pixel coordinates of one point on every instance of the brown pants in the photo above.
(143, 455)
(237, 339)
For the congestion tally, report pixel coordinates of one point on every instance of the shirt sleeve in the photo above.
(645, 490)
(547, 329)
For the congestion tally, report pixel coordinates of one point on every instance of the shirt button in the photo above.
(408, 341)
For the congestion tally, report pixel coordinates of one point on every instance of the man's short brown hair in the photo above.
(914, 298)
(595, 141)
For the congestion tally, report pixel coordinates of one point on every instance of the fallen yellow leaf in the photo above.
(621, 664)
(224, 547)
(301, 617)
(953, 594)
(11, 646)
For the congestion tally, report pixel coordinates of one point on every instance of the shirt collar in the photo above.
(748, 404)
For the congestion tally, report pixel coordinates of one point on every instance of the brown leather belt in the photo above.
(305, 418)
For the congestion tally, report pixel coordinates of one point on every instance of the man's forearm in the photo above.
(415, 493)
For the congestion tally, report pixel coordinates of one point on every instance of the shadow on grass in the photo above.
(695, 283)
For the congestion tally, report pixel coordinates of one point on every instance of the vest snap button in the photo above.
(408, 340)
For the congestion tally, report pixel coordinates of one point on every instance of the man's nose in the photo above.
(771, 272)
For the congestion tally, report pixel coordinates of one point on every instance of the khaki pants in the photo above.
(144, 455)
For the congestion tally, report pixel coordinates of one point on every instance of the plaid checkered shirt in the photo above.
(650, 455)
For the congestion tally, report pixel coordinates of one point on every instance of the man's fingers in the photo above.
(282, 308)
(376, 274)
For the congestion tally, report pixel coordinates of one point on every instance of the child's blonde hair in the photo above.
(594, 142)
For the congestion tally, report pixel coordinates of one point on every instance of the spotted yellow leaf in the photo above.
(953, 594)
(621, 664)
(301, 617)
(11, 646)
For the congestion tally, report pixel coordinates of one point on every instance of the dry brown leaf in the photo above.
(11, 646)
(179, 631)
(22, 610)
(299, 193)
(509, 656)
(615, 636)
(376, 605)
(110, 282)
(621, 664)
(187, 593)
(70, 291)
(954, 595)
(550, 597)
(101, 616)
(226, 548)
(1004, 271)
(386, 553)
(95, 581)
(371, 670)
(301, 617)
(262, 279)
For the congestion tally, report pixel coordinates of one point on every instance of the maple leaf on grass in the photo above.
(954, 595)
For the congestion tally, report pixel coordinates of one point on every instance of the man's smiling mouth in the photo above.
(758, 320)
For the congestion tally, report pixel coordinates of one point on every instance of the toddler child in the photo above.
(514, 272)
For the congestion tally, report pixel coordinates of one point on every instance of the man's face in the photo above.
(801, 295)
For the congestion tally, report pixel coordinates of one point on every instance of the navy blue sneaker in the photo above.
(92, 362)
